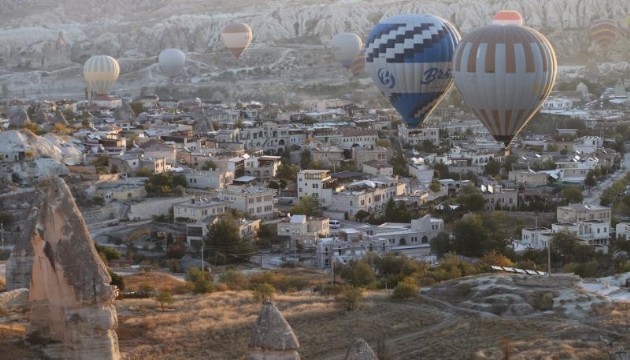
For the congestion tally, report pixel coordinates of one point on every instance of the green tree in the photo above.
(137, 107)
(224, 244)
(572, 194)
(442, 244)
(492, 168)
(308, 205)
(288, 172)
(590, 180)
(435, 186)
(469, 234)
(305, 158)
(358, 273)
(405, 289)
(471, 198)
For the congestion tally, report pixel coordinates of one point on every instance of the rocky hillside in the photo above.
(45, 42)
(131, 28)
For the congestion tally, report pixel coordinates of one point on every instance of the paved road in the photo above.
(596, 192)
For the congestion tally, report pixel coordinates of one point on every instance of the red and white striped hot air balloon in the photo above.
(237, 38)
(504, 73)
(508, 17)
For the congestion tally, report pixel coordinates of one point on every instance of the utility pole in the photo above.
(202, 248)
(2, 233)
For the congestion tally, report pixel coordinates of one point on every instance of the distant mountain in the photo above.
(136, 31)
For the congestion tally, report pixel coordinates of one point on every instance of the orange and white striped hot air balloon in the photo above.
(237, 38)
(504, 73)
(508, 17)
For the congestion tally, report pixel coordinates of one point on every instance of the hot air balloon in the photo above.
(346, 47)
(237, 38)
(358, 65)
(409, 58)
(100, 73)
(171, 61)
(507, 17)
(504, 73)
(603, 32)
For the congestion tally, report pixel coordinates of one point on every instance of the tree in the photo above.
(137, 107)
(492, 168)
(308, 205)
(435, 186)
(288, 172)
(442, 244)
(590, 180)
(471, 198)
(224, 244)
(358, 273)
(405, 289)
(572, 194)
(469, 234)
(305, 158)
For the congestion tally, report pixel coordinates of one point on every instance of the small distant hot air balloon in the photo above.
(171, 61)
(237, 38)
(504, 73)
(603, 32)
(409, 57)
(346, 47)
(507, 17)
(100, 73)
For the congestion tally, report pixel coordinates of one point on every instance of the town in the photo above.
(208, 193)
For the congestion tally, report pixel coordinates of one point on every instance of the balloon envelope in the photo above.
(346, 47)
(508, 17)
(409, 58)
(504, 73)
(237, 38)
(171, 61)
(100, 73)
(603, 32)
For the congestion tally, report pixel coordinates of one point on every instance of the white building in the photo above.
(317, 184)
(366, 195)
(256, 202)
(303, 230)
(418, 136)
(199, 209)
(214, 179)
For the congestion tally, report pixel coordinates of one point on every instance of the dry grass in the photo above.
(219, 326)
(157, 280)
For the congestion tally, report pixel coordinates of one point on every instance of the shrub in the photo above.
(234, 279)
(350, 297)
(164, 298)
(330, 290)
(117, 280)
(405, 289)
(263, 292)
(542, 301)
(202, 286)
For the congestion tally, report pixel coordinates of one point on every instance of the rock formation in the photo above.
(72, 301)
(19, 118)
(360, 350)
(20, 263)
(273, 337)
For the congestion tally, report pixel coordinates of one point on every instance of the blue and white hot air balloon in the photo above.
(409, 58)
